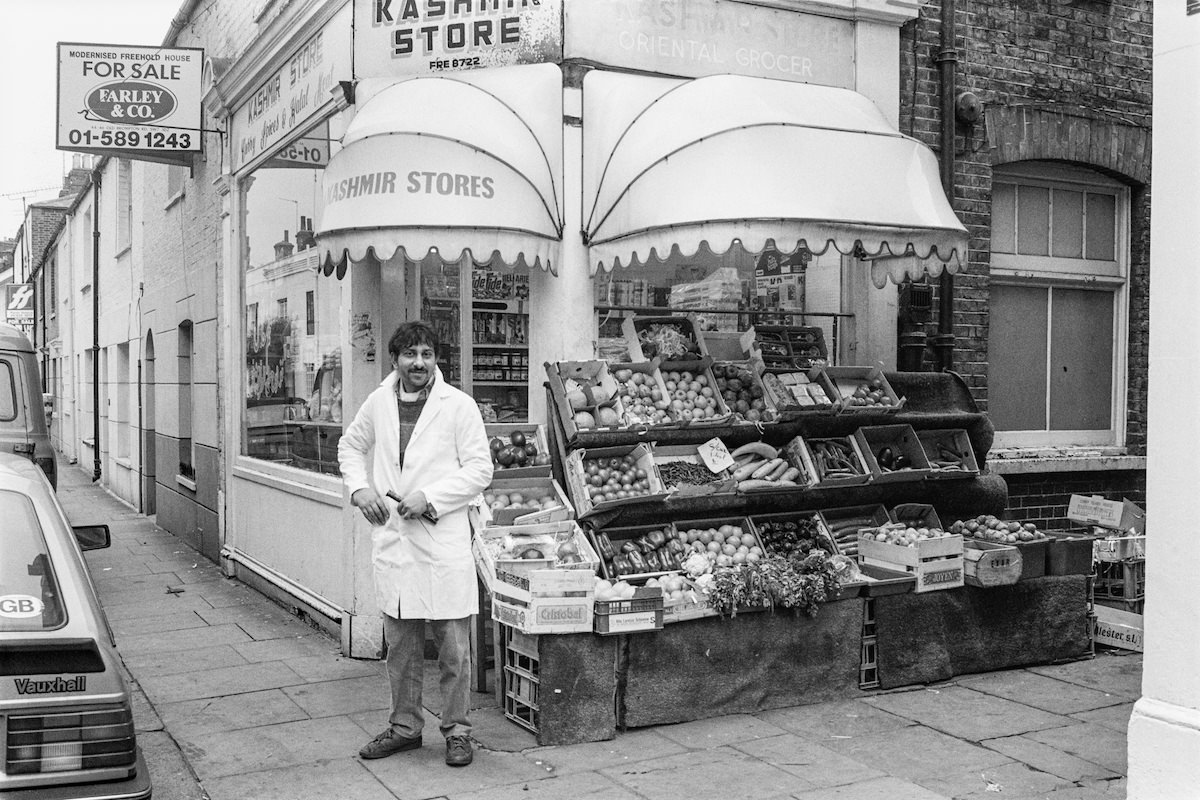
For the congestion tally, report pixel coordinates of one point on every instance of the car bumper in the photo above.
(135, 788)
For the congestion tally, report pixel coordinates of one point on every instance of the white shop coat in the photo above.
(425, 570)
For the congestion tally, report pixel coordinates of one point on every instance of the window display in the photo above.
(293, 362)
(729, 293)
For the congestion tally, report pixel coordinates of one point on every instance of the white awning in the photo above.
(450, 163)
(727, 159)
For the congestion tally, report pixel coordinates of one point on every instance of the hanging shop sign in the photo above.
(413, 37)
(132, 102)
(294, 97)
(18, 304)
(693, 38)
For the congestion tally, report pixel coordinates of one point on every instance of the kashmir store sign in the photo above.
(295, 96)
(394, 38)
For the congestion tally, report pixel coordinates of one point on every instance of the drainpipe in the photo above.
(947, 57)
(96, 323)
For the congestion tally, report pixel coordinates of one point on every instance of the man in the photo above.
(430, 458)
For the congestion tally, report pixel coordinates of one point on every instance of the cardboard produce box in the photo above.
(584, 387)
(949, 453)
(1120, 526)
(526, 512)
(580, 483)
(883, 447)
(537, 465)
(495, 550)
(877, 394)
(648, 335)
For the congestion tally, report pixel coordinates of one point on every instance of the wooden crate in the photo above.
(988, 564)
(936, 563)
(547, 614)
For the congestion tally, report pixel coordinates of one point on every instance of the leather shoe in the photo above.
(458, 751)
(387, 743)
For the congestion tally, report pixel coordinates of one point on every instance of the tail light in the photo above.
(97, 738)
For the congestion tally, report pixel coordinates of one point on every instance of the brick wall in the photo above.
(1069, 82)
(1042, 499)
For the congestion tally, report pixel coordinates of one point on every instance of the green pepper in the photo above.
(629, 546)
(637, 561)
(622, 565)
(654, 561)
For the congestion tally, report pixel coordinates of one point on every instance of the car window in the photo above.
(29, 596)
(8, 392)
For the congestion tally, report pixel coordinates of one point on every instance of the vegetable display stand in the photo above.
(741, 665)
(933, 636)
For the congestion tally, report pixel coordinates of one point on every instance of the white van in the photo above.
(23, 427)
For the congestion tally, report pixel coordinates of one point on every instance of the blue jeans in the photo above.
(406, 670)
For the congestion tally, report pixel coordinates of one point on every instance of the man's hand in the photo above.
(372, 506)
(412, 506)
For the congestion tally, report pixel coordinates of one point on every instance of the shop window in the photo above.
(729, 292)
(292, 378)
(187, 467)
(1056, 339)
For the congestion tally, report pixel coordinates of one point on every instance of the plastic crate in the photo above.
(1121, 580)
(868, 665)
(521, 684)
(642, 612)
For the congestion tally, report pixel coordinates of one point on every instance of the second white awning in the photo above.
(730, 159)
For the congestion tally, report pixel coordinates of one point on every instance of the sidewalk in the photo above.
(237, 699)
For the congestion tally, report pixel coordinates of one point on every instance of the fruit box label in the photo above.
(571, 616)
(1118, 628)
(635, 621)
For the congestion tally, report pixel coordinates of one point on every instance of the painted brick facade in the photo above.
(1060, 82)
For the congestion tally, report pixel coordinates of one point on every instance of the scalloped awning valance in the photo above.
(449, 163)
(730, 159)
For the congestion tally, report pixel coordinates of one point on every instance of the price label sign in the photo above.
(715, 455)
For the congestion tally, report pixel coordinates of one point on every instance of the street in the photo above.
(236, 698)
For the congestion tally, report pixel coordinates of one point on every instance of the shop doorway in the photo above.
(146, 389)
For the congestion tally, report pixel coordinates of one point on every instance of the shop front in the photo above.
(738, 162)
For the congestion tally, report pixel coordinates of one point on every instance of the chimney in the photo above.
(79, 177)
(283, 249)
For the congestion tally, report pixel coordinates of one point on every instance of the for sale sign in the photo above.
(129, 101)
(18, 304)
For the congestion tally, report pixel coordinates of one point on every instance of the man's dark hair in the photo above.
(411, 334)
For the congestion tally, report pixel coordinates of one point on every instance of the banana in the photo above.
(761, 449)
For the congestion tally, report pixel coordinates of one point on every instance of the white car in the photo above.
(66, 721)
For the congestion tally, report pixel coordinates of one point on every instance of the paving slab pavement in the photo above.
(235, 699)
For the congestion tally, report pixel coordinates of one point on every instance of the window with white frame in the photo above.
(1058, 307)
